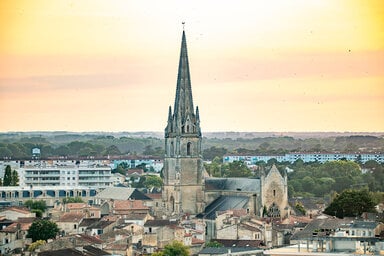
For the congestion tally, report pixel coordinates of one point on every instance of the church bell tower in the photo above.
(183, 163)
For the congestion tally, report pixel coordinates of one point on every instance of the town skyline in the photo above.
(94, 66)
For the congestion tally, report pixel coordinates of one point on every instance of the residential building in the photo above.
(90, 173)
(320, 157)
(69, 222)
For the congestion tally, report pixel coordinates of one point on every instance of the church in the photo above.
(187, 188)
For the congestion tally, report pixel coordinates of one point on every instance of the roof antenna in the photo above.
(183, 24)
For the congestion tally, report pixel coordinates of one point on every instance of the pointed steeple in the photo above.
(183, 100)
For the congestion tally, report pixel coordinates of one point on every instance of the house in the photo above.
(158, 233)
(102, 226)
(118, 241)
(106, 197)
(69, 222)
(85, 223)
(118, 178)
(365, 229)
(72, 241)
(196, 228)
(134, 175)
(327, 233)
(13, 213)
(87, 210)
(15, 235)
(126, 207)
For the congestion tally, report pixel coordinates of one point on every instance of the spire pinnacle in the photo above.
(183, 100)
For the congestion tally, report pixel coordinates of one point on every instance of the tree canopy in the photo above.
(7, 176)
(236, 169)
(152, 181)
(37, 206)
(175, 248)
(351, 203)
(68, 200)
(42, 230)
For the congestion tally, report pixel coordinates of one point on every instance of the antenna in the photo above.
(183, 23)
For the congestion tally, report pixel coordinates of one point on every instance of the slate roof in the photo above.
(87, 251)
(87, 222)
(240, 243)
(61, 252)
(364, 225)
(233, 184)
(121, 193)
(157, 223)
(223, 203)
(224, 250)
(100, 224)
(323, 223)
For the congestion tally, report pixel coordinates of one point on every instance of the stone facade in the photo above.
(187, 188)
(274, 191)
(183, 163)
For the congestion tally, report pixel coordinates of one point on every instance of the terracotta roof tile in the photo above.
(129, 204)
(71, 217)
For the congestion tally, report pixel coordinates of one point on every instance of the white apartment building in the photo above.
(306, 157)
(88, 173)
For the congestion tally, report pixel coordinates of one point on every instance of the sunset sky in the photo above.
(111, 65)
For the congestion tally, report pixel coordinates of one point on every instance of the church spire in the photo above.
(183, 100)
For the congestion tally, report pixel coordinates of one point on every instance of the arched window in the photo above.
(189, 148)
(187, 128)
(172, 149)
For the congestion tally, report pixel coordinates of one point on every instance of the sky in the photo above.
(111, 65)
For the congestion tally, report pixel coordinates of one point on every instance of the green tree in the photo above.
(112, 150)
(214, 244)
(15, 178)
(351, 203)
(37, 206)
(175, 248)
(120, 169)
(33, 246)
(42, 230)
(68, 200)
(213, 169)
(152, 181)
(237, 169)
(7, 181)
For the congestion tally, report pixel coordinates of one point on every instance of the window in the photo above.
(189, 149)
(274, 192)
(171, 149)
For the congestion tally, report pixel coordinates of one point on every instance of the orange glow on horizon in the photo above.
(257, 66)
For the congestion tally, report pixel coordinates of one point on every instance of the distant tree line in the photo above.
(84, 145)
